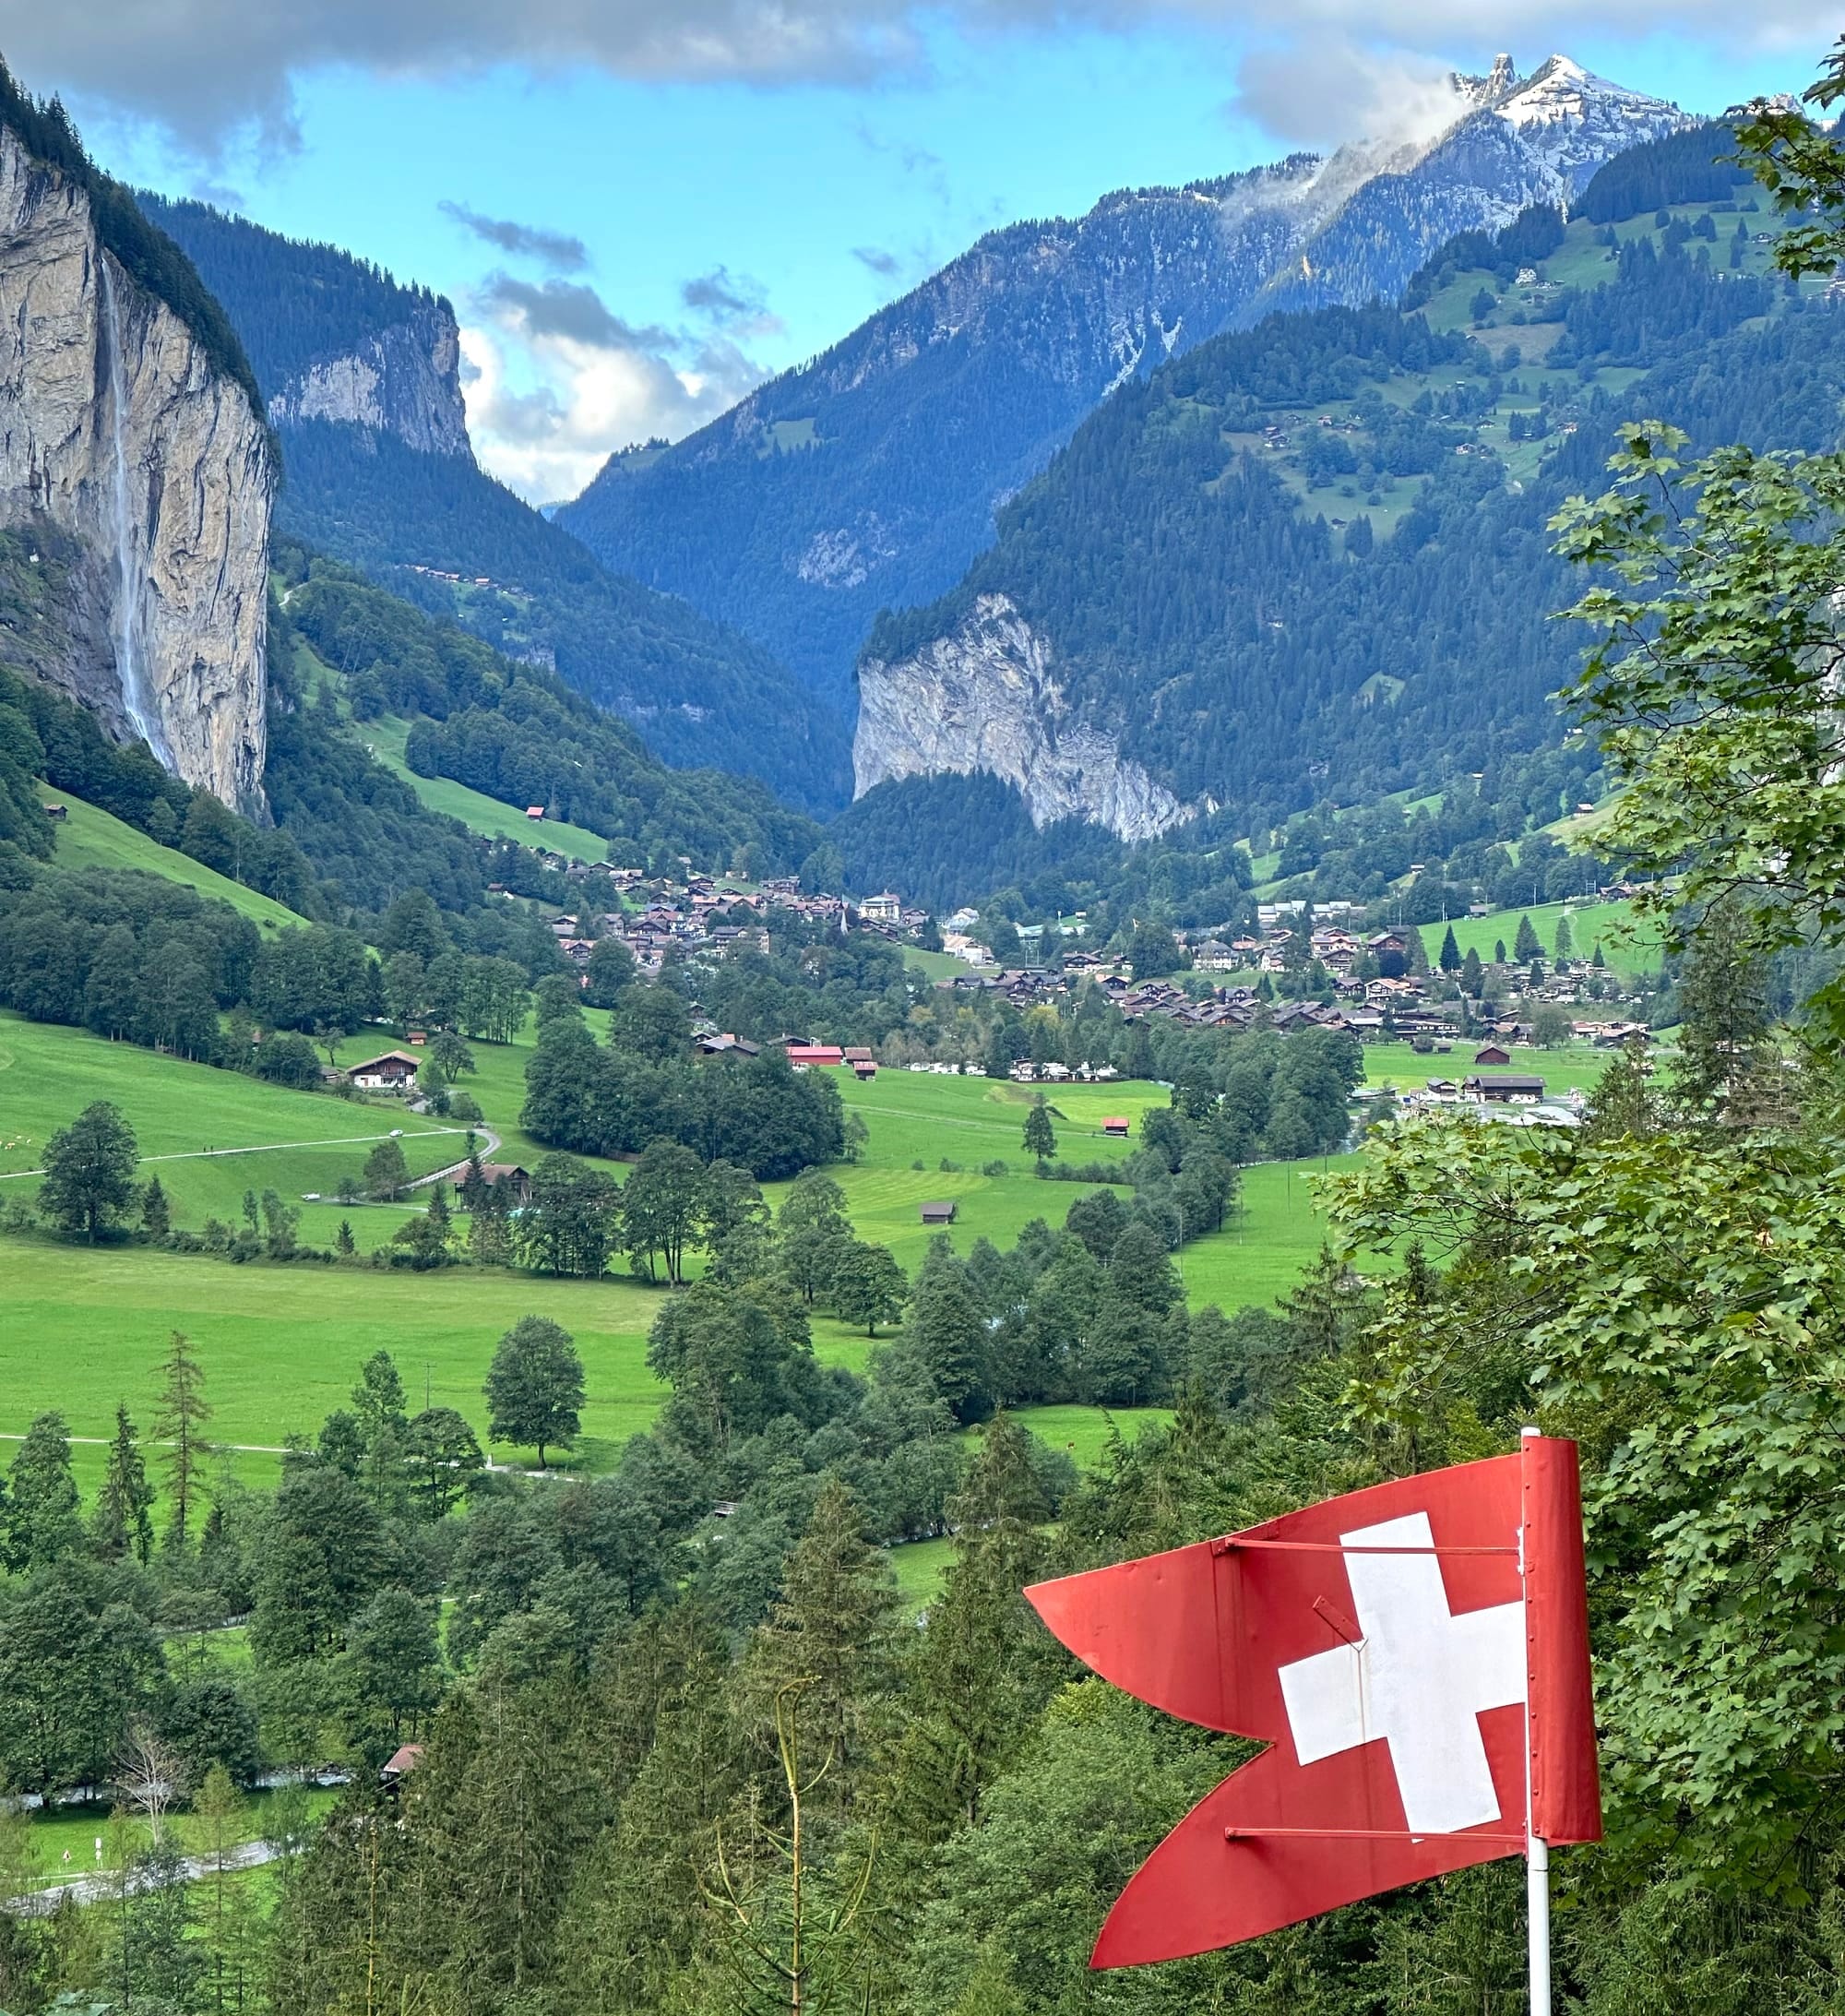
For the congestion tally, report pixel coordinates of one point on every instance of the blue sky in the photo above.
(726, 226)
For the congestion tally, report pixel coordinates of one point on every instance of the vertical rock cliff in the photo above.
(405, 380)
(147, 466)
(984, 698)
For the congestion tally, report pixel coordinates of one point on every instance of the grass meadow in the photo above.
(81, 1329)
(90, 838)
(1629, 944)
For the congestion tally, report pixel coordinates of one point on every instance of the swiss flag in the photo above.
(1415, 1655)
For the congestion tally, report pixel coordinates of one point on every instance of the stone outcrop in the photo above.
(149, 470)
(405, 380)
(984, 698)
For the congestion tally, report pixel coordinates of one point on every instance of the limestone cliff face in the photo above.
(405, 380)
(984, 698)
(150, 474)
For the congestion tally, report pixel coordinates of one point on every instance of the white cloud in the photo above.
(205, 69)
(555, 380)
(1336, 89)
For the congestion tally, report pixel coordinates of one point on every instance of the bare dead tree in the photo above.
(150, 1776)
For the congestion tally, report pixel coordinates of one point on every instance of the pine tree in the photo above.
(1527, 945)
(1471, 974)
(42, 1522)
(124, 1520)
(1564, 943)
(156, 1215)
(948, 1328)
(179, 1423)
(1725, 1062)
(831, 1633)
(1450, 952)
(983, 1670)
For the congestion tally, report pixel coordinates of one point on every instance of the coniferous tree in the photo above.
(1450, 952)
(123, 1519)
(1527, 945)
(41, 1499)
(156, 1213)
(982, 1668)
(948, 1329)
(831, 1632)
(1725, 1067)
(180, 1416)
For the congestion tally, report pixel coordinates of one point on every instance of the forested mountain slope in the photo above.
(1310, 560)
(361, 378)
(869, 478)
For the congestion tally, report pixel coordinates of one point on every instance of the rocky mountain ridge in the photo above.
(330, 336)
(140, 478)
(869, 478)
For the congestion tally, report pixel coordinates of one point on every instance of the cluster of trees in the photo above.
(334, 303)
(641, 1087)
(140, 960)
(1698, 165)
(1660, 305)
(42, 734)
(1528, 240)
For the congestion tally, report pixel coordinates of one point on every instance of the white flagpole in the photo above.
(1537, 1850)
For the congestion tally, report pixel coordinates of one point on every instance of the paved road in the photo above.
(92, 1890)
(488, 1148)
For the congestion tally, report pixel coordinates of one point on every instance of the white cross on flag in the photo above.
(1417, 1657)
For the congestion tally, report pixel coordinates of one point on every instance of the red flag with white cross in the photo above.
(1416, 1656)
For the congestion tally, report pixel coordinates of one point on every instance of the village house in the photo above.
(884, 908)
(1506, 1088)
(510, 1175)
(941, 1212)
(393, 1071)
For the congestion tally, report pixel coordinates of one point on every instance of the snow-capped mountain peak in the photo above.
(1480, 92)
(1561, 88)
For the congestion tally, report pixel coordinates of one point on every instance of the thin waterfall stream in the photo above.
(136, 697)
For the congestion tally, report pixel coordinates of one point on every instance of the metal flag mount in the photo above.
(1416, 1655)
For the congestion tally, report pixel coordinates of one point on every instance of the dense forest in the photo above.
(333, 303)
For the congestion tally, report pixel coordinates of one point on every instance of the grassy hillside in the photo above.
(385, 739)
(1628, 943)
(90, 838)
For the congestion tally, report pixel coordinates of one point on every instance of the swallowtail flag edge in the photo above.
(1416, 1657)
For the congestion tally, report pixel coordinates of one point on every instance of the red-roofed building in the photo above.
(816, 1053)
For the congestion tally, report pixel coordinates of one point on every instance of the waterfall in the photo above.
(129, 668)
